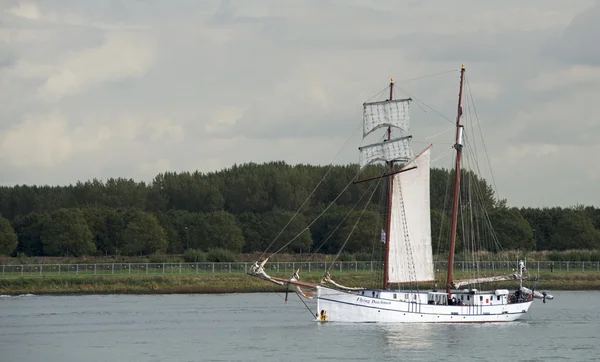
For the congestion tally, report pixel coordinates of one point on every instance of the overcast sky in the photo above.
(131, 88)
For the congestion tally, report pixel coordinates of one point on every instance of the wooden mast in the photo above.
(388, 218)
(458, 146)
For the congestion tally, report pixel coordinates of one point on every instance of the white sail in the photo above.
(397, 149)
(393, 113)
(410, 256)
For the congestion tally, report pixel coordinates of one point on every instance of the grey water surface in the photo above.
(260, 327)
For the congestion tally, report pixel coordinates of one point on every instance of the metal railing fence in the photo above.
(42, 270)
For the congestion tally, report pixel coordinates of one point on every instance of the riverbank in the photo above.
(234, 283)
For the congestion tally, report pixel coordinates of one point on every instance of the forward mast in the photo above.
(390, 184)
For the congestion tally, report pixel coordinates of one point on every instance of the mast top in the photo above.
(463, 66)
(392, 80)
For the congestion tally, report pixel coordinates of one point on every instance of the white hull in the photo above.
(341, 306)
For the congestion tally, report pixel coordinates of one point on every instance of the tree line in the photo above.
(245, 207)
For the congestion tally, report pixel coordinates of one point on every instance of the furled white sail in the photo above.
(410, 256)
(393, 113)
(397, 149)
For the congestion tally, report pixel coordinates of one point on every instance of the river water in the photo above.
(260, 327)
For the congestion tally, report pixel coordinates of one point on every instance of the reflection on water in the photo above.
(406, 337)
(260, 327)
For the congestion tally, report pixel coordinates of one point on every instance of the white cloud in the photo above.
(166, 130)
(485, 90)
(223, 119)
(564, 77)
(25, 10)
(97, 89)
(517, 154)
(123, 55)
(149, 169)
(40, 140)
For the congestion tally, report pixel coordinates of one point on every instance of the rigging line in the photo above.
(341, 222)
(453, 127)
(477, 186)
(413, 79)
(429, 75)
(378, 93)
(470, 212)
(306, 305)
(425, 104)
(355, 224)
(486, 217)
(443, 214)
(481, 134)
(315, 189)
(316, 218)
(476, 164)
(345, 217)
(442, 154)
(475, 191)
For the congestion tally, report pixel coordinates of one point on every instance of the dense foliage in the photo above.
(244, 208)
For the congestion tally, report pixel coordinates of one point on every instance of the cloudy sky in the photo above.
(131, 88)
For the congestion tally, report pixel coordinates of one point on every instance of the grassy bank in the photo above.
(235, 283)
(226, 256)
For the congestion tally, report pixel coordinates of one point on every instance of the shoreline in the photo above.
(235, 283)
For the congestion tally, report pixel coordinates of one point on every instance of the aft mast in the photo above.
(390, 184)
(458, 146)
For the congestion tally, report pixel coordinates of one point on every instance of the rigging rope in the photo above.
(355, 224)
(430, 75)
(442, 154)
(318, 216)
(312, 192)
(341, 222)
(425, 104)
(481, 134)
(411, 267)
(306, 305)
(453, 127)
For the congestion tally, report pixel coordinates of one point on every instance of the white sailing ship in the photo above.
(408, 257)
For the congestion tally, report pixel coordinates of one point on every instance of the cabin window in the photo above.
(396, 296)
(468, 297)
(406, 296)
(481, 298)
(462, 297)
(498, 297)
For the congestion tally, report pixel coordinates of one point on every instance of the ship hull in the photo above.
(342, 306)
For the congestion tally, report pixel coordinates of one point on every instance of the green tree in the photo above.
(512, 230)
(359, 233)
(8, 238)
(215, 230)
(144, 235)
(29, 231)
(65, 232)
(176, 224)
(542, 222)
(260, 230)
(573, 230)
(107, 227)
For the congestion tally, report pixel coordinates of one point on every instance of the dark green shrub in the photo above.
(219, 255)
(194, 256)
(363, 257)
